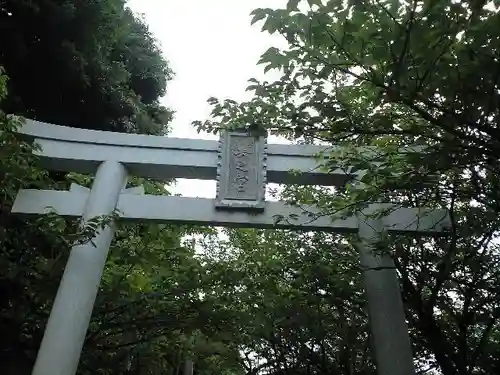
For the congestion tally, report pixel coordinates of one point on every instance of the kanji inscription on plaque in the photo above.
(241, 171)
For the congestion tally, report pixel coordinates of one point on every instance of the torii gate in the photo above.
(242, 164)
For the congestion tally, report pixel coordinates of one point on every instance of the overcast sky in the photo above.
(213, 51)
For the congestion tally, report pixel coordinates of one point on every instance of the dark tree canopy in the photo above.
(90, 64)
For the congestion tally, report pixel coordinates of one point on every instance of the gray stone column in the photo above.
(188, 367)
(69, 319)
(391, 342)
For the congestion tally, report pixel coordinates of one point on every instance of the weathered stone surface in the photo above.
(241, 171)
(200, 211)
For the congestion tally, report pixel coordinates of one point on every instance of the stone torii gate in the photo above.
(242, 164)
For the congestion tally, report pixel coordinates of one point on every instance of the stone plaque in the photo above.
(241, 171)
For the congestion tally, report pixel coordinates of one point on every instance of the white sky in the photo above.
(213, 51)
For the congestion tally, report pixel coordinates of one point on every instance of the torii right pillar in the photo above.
(390, 338)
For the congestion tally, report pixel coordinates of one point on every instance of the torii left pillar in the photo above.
(69, 319)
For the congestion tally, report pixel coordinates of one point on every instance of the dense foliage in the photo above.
(295, 301)
(88, 64)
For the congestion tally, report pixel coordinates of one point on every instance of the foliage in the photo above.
(89, 64)
(390, 76)
(294, 301)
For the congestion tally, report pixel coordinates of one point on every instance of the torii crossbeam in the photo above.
(242, 163)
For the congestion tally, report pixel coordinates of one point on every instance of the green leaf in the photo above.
(293, 5)
(315, 2)
(258, 14)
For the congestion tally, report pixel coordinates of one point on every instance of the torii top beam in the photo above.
(166, 158)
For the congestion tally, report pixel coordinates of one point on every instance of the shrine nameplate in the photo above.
(241, 171)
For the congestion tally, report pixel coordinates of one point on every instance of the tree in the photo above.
(88, 64)
(294, 300)
(391, 74)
